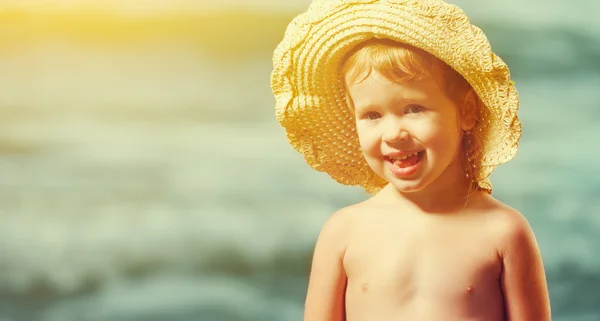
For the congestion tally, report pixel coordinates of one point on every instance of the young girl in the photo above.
(406, 99)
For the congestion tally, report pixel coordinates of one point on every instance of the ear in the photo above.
(468, 111)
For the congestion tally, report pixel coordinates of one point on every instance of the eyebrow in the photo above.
(370, 106)
(406, 101)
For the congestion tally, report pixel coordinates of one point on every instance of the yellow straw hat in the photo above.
(311, 100)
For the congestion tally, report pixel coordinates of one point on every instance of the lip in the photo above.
(404, 172)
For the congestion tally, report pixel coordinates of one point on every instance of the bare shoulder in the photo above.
(523, 277)
(510, 227)
(341, 224)
(338, 226)
(349, 215)
(343, 218)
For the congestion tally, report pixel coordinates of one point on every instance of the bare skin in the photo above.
(424, 248)
(376, 262)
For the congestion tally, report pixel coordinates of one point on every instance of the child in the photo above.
(406, 99)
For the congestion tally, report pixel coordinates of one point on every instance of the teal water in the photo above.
(156, 185)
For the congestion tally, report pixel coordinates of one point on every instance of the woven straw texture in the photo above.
(310, 96)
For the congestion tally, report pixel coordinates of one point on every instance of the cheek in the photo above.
(368, 139)
(439, 134)
(447, 137)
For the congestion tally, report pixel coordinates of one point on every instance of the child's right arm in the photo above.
(326, 288)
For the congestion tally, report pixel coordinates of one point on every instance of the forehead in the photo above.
(375, 90)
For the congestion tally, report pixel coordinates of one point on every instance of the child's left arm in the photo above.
(523, 277)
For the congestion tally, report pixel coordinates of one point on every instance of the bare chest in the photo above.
(443, 262)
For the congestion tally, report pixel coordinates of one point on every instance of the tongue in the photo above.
(407, 162)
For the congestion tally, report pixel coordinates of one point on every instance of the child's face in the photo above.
(394, 119)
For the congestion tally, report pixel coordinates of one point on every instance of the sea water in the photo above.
(153, 182)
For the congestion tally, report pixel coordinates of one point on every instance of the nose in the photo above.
(394, 131)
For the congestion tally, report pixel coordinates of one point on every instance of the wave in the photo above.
(243, 236)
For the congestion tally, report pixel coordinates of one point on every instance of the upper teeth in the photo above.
(403, 157)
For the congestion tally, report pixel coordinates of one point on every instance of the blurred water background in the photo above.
(143, 175)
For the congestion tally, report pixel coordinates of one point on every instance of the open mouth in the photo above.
(406, 160)
(405, 165)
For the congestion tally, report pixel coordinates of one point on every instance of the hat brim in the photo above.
(311, 100)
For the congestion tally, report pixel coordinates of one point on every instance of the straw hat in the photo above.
(310, 95)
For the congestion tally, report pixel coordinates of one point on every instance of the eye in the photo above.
(371, 115)
(414, 109)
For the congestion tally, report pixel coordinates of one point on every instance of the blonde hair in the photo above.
(399, 62)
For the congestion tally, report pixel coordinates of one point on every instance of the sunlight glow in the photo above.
(149, 6)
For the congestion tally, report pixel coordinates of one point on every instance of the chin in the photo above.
(404, 186)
